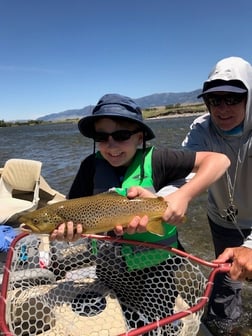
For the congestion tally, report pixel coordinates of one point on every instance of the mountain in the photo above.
(163, 99)
(68, 114)
(156, 99)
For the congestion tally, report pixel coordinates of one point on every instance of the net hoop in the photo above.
(10, 284)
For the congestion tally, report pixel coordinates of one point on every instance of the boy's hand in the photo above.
(134, 192)
(67, 232)
(137, 224)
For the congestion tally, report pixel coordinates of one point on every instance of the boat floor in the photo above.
(203, 331)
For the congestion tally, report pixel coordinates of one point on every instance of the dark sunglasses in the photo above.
(229, 99)
(121, 135)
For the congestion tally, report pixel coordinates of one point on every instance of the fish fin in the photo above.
(110, 192)
(118, 191)
(155, 226)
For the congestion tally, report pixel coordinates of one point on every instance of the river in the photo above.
(61, 148)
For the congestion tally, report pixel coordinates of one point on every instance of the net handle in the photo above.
(222, 267)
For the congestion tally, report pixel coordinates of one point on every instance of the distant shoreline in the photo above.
(177, 115)
(156, 115)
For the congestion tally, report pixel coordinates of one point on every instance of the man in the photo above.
(227, 128)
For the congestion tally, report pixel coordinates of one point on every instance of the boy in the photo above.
(122, 161)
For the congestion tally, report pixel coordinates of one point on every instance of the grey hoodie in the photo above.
(205, 136)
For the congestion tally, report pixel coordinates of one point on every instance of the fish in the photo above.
(98, 213)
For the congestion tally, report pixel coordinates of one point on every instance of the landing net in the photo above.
(87, 288)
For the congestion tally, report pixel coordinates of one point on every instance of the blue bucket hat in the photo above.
(115, 106)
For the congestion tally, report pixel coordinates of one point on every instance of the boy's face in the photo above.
(118, 153)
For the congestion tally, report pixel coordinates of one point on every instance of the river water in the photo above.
(61, 148)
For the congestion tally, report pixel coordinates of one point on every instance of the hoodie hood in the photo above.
(233, 72)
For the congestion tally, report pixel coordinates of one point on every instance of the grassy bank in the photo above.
(174, 110)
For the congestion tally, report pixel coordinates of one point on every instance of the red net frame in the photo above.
(38, 308)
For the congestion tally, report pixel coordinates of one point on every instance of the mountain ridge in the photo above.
(153, 100)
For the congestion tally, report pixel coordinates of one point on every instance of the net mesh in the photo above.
(87, 289)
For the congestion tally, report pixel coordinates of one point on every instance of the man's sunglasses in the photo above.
(121, 135)
(229, 99)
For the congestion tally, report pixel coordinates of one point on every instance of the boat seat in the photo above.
(22, 176)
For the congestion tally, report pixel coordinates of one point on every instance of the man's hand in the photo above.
(241, 258)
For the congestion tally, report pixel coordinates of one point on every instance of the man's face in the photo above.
(227, 109)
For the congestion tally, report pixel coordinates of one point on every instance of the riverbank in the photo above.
(174, 111)
(178, 115)
(158, 112)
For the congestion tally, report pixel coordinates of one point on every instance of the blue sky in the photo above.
(57, 55)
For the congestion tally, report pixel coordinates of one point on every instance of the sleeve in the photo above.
(197, 137)
(170, 165)
(83, 181)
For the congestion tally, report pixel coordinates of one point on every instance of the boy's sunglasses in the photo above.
(121, 135)
(229, 99)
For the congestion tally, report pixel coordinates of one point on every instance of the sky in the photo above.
(57, 55)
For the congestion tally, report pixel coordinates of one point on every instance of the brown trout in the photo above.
(97, 214)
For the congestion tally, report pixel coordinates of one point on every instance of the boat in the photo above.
(13, 198)
(67, 277)
(23, 188)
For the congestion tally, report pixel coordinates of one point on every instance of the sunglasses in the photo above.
(229, 99)
(121, 135)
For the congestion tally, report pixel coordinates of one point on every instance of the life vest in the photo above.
(136, 257)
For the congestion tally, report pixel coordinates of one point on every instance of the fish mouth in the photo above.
(25, 228)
